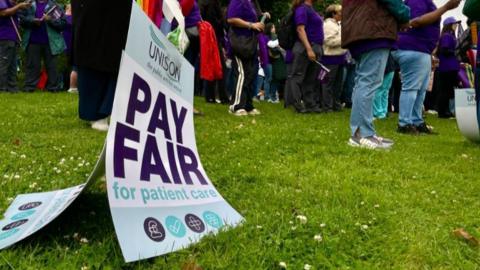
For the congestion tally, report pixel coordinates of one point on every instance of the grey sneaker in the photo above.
(370, 143)
(384, 140)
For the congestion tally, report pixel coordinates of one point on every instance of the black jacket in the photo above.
(100, 29)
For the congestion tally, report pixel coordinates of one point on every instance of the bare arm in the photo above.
(13, 10)
(237, 22)
(302, 35)
(434, 16)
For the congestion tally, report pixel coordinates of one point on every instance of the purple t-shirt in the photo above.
(7, 31)
(446, 55)
(423, 39)
(263, 50)
(313, 22)
(194, 17)
(39, 34)
(245, 10)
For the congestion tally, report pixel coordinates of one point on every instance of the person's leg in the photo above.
(369, 75)
(338, 89)
(53, 82)
(250, 74)
(8, 66)
(387, 85)
(328, 88)
(297, 76)
(377, 101)
(311, 88)
(447, 81)
(424, 77)
(267, 83)
(245, 74)
(91, 90)
(32, 67)
(4, 62)
(415, 68)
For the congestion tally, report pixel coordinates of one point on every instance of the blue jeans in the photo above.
(369, 77)
(380, 103)
(415, 68)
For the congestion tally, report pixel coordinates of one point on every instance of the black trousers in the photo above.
(8, 66)
(332, 89)
(446, 91)
(33, 66)
(302, 79)
(96, 91)
(244, 74)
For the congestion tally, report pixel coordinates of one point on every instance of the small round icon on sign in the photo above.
(22, 215)
(194, 223)
(14, 224)
(29, 206)
(213, 219)
(154, 229)
(175, 226)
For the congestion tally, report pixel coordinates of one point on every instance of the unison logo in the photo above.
(158, 54)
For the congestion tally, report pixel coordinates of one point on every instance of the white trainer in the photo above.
(100, 125)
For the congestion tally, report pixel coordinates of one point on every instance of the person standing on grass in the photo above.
(380, 102)
(369, 31)
(9, 39)
(100, 31)
(334, 58)
(71, 76)
(242, 16)
(43, 23)
(448, 68)
(307, 51)
(415, 59)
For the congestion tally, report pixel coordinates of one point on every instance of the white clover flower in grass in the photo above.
(302, 219)
(282, 265)
(259, 227)
(318, 238)
(84, 240)
(13, 153)
(16, 176)
(23, 156)
(433, 192)
(10, 199)
(33, 185)
(365, 227)
(307, 267)
(84, 268)
(294, 228)
(6, 176)
(323, 225)
(376, 206)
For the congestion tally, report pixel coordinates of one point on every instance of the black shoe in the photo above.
(408, 129)
(425, 129)
(315, 110)
(299, 108)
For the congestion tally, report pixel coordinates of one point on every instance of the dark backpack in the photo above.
(287, 31)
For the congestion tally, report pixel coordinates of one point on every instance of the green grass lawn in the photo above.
(373, 209)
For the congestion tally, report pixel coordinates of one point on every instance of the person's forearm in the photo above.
(9, 11)
(302, 35)
(237, 22)
(428, 18)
